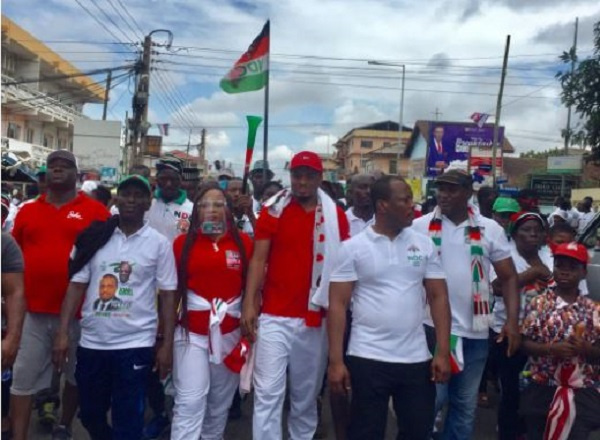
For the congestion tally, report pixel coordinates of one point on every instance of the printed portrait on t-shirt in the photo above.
(107, 294)
(125, 270)
(183, 224)
(233, 259)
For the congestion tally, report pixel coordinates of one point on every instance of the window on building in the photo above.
(387, 144)
(366, 144)
(60, 143)
(48, 141)
(13, 131)
(30, 135)
(393, 166)
(363, 164)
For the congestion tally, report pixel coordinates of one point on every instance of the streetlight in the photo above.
(401, 121)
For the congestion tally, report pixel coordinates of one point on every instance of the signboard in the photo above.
(565, 164)
(108, 174)
(548, 187)
(153, 146)
(451, 142)
(97, 144)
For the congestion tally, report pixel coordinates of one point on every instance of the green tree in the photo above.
(581, 89)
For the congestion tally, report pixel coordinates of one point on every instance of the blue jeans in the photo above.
(113, 379)
(461, 391)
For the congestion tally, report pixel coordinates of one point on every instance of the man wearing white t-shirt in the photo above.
(171, 210)
(382, 271)
(360, 215)
(117, 347)
(469, 244)
(585, 213)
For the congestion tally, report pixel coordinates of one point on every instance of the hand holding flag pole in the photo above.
(253, 123)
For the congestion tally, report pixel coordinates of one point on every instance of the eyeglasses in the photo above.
(208, 204)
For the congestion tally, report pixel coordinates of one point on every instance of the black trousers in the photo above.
(510, 425)
(535, 405)
(411, 390)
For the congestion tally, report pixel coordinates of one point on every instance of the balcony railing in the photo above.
(28, 98)
(32, 154)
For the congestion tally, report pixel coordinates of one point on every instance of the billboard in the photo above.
(565, 164)
(450, 142)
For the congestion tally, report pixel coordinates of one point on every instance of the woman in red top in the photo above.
(212, 259)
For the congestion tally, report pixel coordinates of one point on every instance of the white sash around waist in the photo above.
(218, 309)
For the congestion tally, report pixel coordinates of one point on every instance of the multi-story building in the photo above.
(38, 110)
(370, 148)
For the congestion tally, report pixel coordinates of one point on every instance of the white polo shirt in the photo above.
(456, 261)
(131, 319)
(388, 300)
(357, 224)
(171, 219)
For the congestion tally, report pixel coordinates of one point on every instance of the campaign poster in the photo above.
(450, 143)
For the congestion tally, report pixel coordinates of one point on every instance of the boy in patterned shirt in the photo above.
(562, 338)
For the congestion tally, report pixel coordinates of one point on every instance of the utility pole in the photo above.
(202, 150)
(125, 167)
(187, 153)
(437, 114)
(144, 95)
(498, 110)
(106, 92)
(573, 60)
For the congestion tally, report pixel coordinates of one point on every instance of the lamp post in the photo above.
(401, 118)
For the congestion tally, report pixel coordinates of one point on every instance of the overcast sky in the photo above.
(321, 84)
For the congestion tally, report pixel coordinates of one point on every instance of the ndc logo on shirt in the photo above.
(414, 256)
(75, 215)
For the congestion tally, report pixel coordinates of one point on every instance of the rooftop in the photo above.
(14, 34)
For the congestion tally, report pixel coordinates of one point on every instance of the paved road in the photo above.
(485, 426)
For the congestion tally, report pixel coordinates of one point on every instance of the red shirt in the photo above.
(213, 272)
(46, 235)
(289, 272)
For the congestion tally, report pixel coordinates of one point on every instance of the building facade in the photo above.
(372, 148)
(38, 111)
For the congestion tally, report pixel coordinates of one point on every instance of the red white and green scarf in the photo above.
(325, 242)
(480, 288)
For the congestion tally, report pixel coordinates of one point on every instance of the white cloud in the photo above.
(317, 90)
(352, 112)
(218, 141)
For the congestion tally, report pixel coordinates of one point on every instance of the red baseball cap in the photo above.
(572, 250)
(307, 159)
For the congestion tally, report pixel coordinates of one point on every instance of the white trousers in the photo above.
(203, 390)
(287, 344)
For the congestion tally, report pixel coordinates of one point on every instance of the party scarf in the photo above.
(325, 235)
(480, 288)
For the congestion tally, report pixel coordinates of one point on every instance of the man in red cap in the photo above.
(561, 334)
(297, 235)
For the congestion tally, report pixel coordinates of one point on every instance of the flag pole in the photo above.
(266, 108)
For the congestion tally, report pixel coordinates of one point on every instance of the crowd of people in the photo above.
(204, 293)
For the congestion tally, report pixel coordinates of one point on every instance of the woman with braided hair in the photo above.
(212, 260)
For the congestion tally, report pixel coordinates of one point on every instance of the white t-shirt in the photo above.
(357, 224)
(388, 300)
(584, 219)
(134, 268)
(456, 261)
(170, 219)
(521, 266)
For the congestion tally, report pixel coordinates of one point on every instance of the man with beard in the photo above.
(297, 235)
